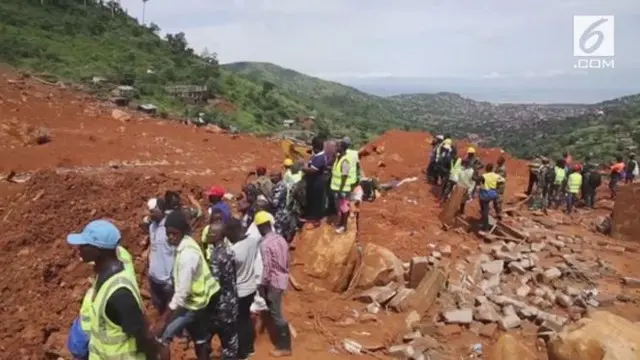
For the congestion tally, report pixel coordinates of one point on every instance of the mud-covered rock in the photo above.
(600, 336)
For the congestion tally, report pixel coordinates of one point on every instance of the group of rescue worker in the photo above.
(207, 288)
(565, 182)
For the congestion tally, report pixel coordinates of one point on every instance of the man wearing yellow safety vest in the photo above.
(574, 183)
(344, 177)
(489, 182)
(555, 195)
(354, 156)
(195, 290)
(85, 309)
(112, 310)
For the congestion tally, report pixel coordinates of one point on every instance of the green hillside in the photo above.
(71, 41)
(614, 130)
(343, 105)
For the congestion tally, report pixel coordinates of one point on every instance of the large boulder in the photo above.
(327, 256)
(599, 336)
(379, 267)
(509, 348)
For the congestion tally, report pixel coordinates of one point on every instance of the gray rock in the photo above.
(629, 281)
(564, 300)
(515, 267)
(481, 299)
(537, 247)
(509, 322)
(493, 267)
(508, 310)
(461, 316)
(551, 274)
(571, 291)
(486, 313)
(403, 351)
(523, 291)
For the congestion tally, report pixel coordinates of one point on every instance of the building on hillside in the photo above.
(190, 93)
(148, 109)
(288, 123)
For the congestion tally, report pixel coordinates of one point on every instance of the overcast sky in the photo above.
(360, 38)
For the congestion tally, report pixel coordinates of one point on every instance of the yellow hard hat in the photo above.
(261, 217)
(471, 150)
(288, 162)
(448, 142)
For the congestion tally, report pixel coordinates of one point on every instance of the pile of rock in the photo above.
(544, 279)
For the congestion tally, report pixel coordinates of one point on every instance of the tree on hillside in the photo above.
(209, 57)
(154, 28)
(178, 43)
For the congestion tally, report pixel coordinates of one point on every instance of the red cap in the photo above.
(216, 191)
(577, 167)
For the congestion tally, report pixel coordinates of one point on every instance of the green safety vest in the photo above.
(336, 174)
(456, 169)
(203, 285)
(574, 183)
(560, 175)
(85, 309)
(107, 340)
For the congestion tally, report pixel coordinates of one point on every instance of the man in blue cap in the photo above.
(117, 327)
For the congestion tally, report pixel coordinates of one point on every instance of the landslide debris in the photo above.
(43, 279)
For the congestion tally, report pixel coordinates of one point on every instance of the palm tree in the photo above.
(144, 8)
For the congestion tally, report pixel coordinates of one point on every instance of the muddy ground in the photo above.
(98, 166)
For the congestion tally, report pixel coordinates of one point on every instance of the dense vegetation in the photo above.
(78, 39)
(345, 106)
(613, 131)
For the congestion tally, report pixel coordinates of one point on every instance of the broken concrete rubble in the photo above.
(427, 291)
(418, 268)
(400, 300)
(378, 294)
(458, 316)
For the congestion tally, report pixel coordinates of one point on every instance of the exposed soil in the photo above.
(97, 166)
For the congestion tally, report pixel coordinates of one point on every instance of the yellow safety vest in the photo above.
(107, 340)
(336, 174)
(456, 169)
(125, 257)
(205, 241)
(574, 183)
(490, 181)
(203, 286)
(85, 309)
(560, 174)
(354, 158)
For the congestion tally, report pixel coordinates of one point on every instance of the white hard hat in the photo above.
(440, 137)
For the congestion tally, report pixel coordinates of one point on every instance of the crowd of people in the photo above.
(211, 287)
(564, 183)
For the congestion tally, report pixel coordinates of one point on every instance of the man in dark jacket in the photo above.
(590, 181)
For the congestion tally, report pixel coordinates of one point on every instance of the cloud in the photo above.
(400, 38)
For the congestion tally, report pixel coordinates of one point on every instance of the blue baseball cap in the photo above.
(99, 233)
